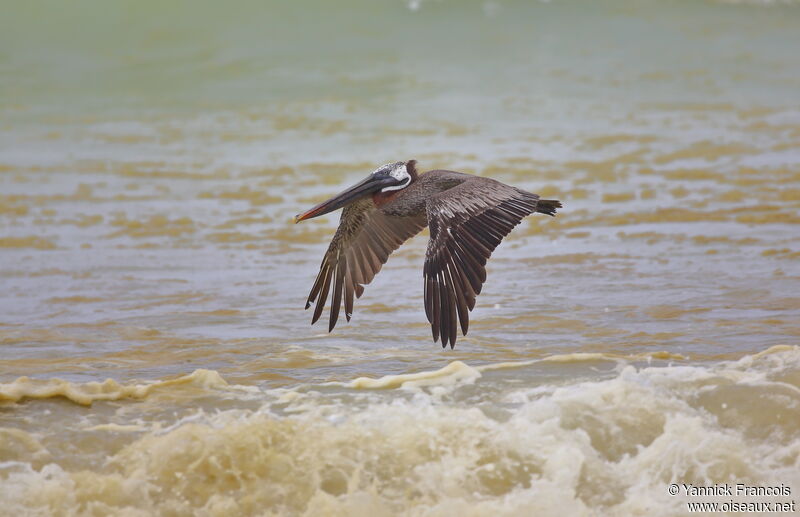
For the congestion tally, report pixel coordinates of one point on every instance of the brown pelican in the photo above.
(468, 216)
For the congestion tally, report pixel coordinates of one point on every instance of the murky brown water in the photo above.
(155, 357)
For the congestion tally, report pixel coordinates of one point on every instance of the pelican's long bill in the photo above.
(371, 184)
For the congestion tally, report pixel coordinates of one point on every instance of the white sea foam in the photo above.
(610, 446)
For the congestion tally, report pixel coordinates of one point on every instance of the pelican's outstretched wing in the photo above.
(363, 242)
(467, 222)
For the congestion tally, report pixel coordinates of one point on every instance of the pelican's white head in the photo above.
(403, 172)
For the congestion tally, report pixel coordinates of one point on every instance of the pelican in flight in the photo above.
(468, 216)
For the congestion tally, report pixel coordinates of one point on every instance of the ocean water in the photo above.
(155, 357)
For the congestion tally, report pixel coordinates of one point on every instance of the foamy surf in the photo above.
(89, 392)
(607, 446)
(453, 374)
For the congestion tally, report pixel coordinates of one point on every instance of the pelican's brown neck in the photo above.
(411, 167)
(381, 198)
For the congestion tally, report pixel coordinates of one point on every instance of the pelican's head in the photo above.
(386, 178)
(402, 172)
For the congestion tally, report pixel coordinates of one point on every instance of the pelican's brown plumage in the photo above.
(468, 216)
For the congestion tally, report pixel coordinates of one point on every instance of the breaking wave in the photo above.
(457, 440)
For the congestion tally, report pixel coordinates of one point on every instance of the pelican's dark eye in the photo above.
(400, 173)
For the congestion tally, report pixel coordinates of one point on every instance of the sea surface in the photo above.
(155, 357)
